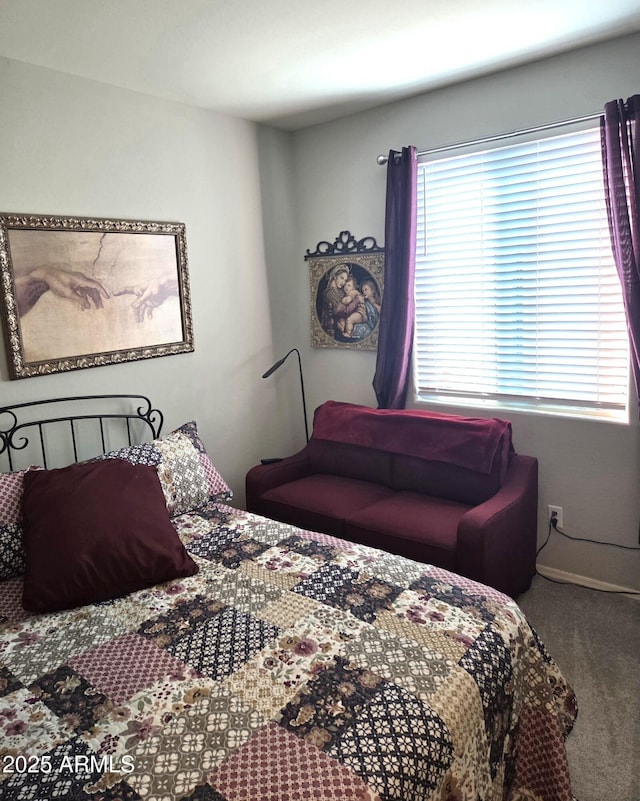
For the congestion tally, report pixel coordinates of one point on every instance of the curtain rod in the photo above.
(382, 160)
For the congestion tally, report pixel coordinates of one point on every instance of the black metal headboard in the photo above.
(69, 429)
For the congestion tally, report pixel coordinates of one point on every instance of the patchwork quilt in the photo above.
(291, 666)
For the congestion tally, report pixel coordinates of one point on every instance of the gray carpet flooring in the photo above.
(594, 638)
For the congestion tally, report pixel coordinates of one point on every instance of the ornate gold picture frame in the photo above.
(347, 284)
(81, 292)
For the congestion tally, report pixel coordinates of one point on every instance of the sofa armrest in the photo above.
(497, 539)
(263, 477)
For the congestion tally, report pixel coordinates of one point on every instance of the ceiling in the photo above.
(293, 63)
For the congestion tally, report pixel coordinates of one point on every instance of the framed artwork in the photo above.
(80, 292)
(347, 284)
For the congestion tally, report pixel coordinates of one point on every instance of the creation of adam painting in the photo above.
(346, 292)
(81, 292)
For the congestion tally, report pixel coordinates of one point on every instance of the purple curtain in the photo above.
(395, 339)
(620, 135)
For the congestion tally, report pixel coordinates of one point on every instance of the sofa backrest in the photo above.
(350, 461)
(444, 480)
(449, 456)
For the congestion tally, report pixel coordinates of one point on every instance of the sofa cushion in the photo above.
(354, 461)
(321, 502)
(412, 524)
(446, 480)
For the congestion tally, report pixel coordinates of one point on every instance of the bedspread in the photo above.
(292, 666)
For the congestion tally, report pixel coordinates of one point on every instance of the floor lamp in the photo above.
(279, 364)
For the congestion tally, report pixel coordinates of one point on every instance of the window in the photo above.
(518, 302)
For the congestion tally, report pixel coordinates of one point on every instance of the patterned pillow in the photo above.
(11, 550)
(187, 474)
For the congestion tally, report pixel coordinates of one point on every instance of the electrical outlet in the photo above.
(558, 511)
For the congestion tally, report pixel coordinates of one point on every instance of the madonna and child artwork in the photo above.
(346, 294)
(84, 293)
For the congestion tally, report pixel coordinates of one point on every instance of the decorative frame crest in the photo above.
(347, 285)
(80, 292)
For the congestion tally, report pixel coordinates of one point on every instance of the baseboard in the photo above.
(585, 581)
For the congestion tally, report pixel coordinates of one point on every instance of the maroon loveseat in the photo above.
(442, 489)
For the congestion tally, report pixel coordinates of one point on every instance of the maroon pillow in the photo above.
(96, 531)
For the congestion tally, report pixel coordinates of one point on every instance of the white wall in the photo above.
(287, 308)
(70, 146)
(590, 469)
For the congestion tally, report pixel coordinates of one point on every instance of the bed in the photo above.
(158, 643)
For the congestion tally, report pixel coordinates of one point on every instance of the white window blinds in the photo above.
(517, 296)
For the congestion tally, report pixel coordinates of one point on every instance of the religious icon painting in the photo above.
(347, 279)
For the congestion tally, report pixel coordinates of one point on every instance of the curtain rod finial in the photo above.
(382, 160)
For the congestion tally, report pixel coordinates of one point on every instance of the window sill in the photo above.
(616, 416)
